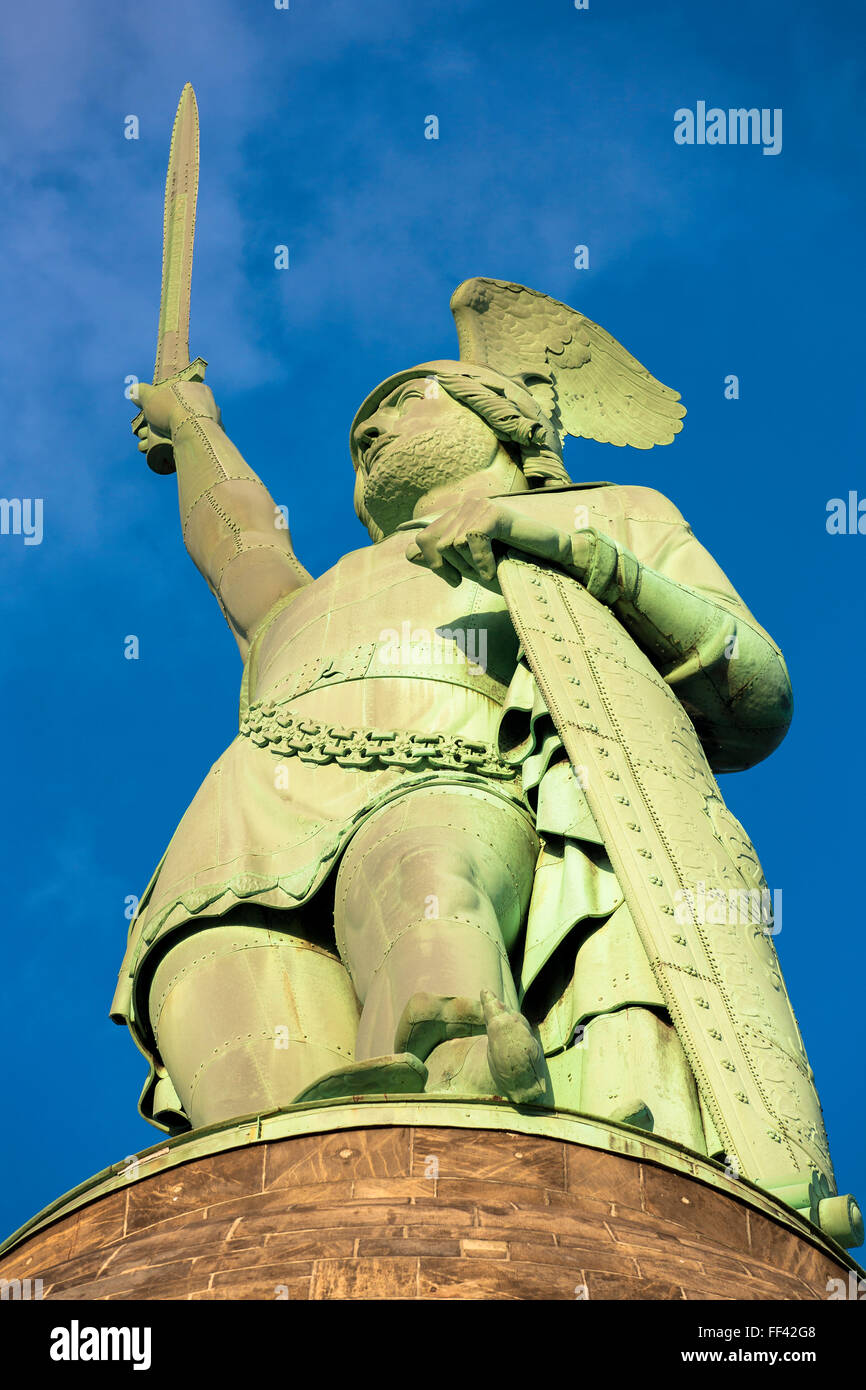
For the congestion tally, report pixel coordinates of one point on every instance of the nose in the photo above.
(373, 428)
(365, 435)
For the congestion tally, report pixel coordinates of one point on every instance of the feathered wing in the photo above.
(584, 380)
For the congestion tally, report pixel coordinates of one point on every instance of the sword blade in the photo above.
(181, 193)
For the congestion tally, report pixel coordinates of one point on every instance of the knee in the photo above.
(437, 864)
(176, 976)
(242, 975)
(435, 868)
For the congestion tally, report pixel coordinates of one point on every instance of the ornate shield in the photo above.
(667, 831)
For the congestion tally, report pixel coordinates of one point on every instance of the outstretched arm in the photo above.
(231, 525)
(669, 594)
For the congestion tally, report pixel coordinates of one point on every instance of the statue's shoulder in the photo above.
(371, 554)
(633, 497)
(615, 508)
(569, 487)
(647, 504)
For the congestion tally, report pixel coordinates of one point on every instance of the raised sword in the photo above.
(172, 340)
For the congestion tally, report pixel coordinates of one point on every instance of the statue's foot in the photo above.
(634, 1112)
(395, 1075)
(514, 1055)
(460, 1067)
(431, 1019)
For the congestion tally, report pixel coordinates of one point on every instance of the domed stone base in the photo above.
(420, 1200)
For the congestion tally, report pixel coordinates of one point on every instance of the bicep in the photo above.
(255, 579)
(238, 539)
(736, 686)
(661, 538)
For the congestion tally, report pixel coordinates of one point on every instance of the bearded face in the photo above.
(419, 439)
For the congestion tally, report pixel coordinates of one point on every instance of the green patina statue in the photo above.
(465, 839)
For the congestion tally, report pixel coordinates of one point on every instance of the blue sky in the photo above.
(555, 129)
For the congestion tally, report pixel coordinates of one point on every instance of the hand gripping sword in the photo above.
(172, 339)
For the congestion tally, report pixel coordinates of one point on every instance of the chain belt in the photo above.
(271, 726)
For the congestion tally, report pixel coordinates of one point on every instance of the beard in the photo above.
(410, 466)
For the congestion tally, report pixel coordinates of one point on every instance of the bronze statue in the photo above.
(455, 846)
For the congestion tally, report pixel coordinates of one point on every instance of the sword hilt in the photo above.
(160, 454)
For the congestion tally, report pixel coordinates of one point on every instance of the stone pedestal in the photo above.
(420, 1200)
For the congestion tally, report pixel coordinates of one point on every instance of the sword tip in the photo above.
(188, 94)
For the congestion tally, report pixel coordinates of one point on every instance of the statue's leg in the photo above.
(636, 1072)
(431, 895)
(246, 1014)
(625, 1061)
